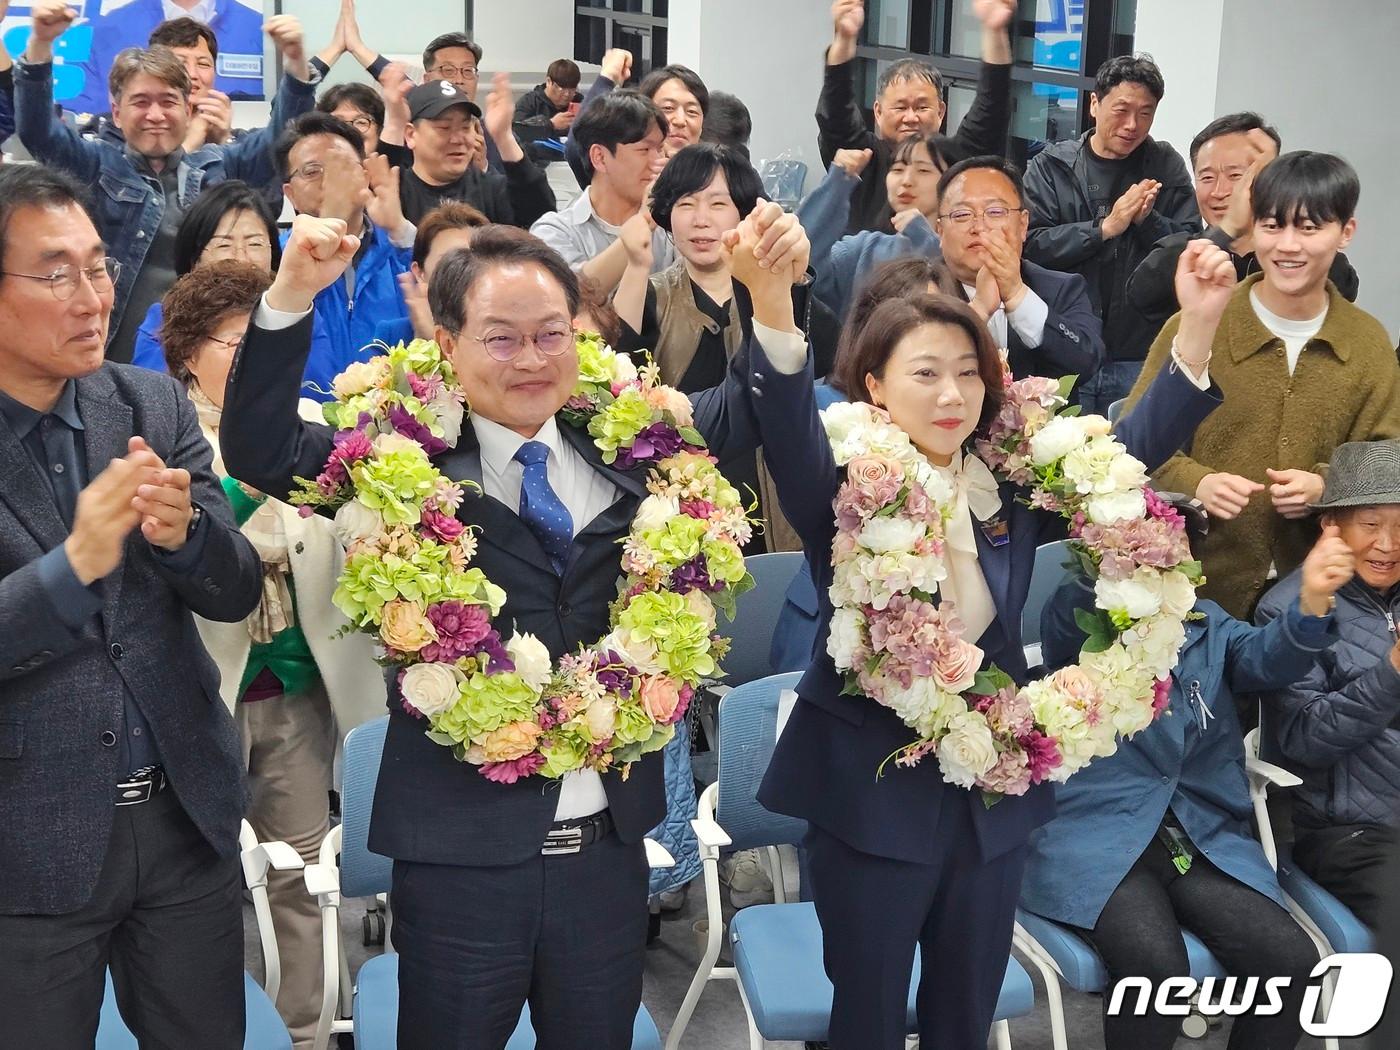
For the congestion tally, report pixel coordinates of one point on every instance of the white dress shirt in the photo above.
(200, 12)
(586, 493)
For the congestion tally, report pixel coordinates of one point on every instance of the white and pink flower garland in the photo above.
(895, 646)
(500, 704)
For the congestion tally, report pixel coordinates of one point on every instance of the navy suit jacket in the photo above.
(1072, 343)
(429, 807)
(824, 767)
(62, 689)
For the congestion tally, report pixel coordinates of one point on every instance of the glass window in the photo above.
(964, 32)
(1041, 114)
(887, 23)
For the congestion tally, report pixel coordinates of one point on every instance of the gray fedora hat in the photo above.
(1362, 474)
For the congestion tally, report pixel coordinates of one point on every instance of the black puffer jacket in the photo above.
(1340, 726)
(1065, 231)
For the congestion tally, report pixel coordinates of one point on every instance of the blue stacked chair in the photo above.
(361, 873)
(777, 948)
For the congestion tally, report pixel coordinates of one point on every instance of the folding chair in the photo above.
(777, 948)
(264, 1029)
(370, 1007)
(1049, 571)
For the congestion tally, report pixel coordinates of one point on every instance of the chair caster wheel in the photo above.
(373, 929)
(1195, 1027)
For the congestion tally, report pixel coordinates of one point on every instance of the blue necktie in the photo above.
(540, 506)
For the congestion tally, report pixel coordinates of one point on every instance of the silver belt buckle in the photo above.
(562, 840)
(134, 792)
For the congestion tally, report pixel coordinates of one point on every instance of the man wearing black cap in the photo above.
(1339, 727)
(445, 135)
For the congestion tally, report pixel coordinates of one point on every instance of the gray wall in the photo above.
(1328, 76)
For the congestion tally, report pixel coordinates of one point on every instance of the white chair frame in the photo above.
(257, 858)
(714, 838)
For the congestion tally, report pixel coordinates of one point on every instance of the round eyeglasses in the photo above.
(64, 281)
(505, 344)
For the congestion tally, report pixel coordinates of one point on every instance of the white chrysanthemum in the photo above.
(655, 512)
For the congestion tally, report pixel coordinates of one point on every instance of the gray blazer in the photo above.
(61, 690)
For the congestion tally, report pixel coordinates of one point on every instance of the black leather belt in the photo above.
(570, 836)
(141, 786)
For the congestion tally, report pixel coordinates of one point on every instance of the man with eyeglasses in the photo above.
(327, 175)
(120, 768)
(505, 892)
(1044, 319)
(143, 184)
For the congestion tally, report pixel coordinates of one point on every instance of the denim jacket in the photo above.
(129, 204)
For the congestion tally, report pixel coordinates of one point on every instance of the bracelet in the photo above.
(1180, 359)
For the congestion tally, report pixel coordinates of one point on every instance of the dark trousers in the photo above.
(567, 933)
(1348, 861)
(1112, 382)
(166, 916)
(875, 912)
(1138, 935)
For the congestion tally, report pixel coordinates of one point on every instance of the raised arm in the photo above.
(264, 441)
(44, 134)
(984, 128)
(840, 123)
(1170, 402)
(827, 209)
(252, 157)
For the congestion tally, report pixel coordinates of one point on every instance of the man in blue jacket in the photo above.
(238, 66)
(144, 186)
(323, 162)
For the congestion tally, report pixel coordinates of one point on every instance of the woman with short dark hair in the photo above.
(230, 221)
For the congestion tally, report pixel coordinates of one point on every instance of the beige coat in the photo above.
(353, 681)
(1345, 387)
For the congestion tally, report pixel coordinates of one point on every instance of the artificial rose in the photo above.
(1178, 594)
(660, 697)
(354, 523)
(513, 740)
(405, 627)
(360, 377)
(392, 442)
(967, 751)
(1057, 439)
(531, 659)
(1096, 426)
(880, 476)
(601, 719)
(655, 512)
(431, 688)
(955, 665)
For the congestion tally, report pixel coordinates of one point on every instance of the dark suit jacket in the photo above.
(1072, 343)
(61, 691)
(429, 807)
(823, 769)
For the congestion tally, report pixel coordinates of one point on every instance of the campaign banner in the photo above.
(83, 55)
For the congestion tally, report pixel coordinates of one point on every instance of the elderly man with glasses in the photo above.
(1044, 319)
(120, 769)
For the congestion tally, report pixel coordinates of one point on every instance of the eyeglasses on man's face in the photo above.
(309, 172)
(64, 281)
(505, 344)
(452, 72)
(996, 215)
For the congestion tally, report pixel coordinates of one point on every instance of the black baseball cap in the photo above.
(436, 97)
